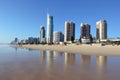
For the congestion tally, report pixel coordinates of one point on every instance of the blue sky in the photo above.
(22, 18)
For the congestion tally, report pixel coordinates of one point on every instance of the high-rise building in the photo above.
(69, 31)
(57, 37)
(85, 31)
(49, 28)
(62, 37)
(101, 30)
(35, 40)
(16, 40)
(42, 34)
(30, 40)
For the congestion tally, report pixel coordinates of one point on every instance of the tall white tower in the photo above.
(49, 28)
(101, 30)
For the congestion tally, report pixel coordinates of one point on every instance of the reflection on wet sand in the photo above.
(57, 54)
(31, 49)
(52, 65)
(16, 48)
(85, 62)
(85, 59)
(49, 60)
(101, 61)
(50, 56)
(69, 58)
(43, 55)
(101, 66)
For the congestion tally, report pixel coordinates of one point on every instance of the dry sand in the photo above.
(94, 49)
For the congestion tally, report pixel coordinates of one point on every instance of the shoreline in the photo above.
(94, 49)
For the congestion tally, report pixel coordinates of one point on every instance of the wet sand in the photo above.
(28, 64)
(94, 49)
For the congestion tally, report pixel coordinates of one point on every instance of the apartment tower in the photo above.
(101, 30)
(57, 37)
(85, 31)
(69, 31)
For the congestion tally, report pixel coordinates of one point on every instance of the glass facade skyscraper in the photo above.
(49, 28)
(42, 34)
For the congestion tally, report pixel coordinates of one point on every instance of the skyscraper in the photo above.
(85, 31)
(69, 31)
(101, 30)
(30, 40)
(16, 40)
(49, 28)
(57, 37)
(42, 34)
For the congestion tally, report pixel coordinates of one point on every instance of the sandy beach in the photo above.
(94, 49)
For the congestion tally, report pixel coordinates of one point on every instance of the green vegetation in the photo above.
(72, 39)
(113, 42)
(80, 40)
(109, 42)
(65, 43)
(91, 39)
